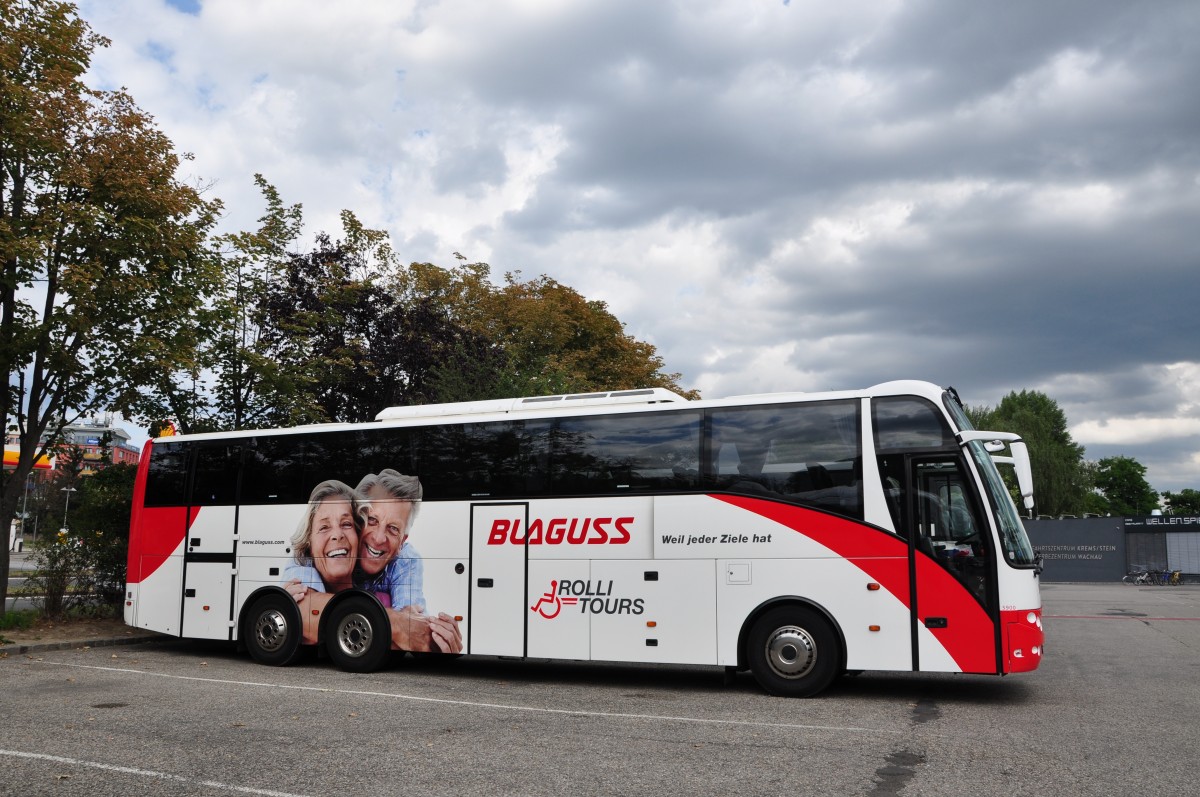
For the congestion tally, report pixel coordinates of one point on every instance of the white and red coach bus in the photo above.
(799, 536)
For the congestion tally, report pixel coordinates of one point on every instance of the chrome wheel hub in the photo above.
(791, 651)
(354, 635)
(271, 630)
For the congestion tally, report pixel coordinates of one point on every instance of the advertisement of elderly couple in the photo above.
(358, 537)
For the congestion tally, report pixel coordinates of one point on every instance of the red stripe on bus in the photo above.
(133, 570)
(969, 637)
(162, 530)
(970, 634)
(154, 532)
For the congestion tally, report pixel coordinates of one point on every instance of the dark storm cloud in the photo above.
(680, 131)
(1088, 300)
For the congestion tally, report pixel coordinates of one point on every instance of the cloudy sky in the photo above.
(778, 195)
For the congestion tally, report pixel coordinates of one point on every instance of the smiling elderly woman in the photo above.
(325, 545)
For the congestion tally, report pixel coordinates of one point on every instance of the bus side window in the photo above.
(387, 448)
(532, 462)
(807, 454)
(337, 455)
(727, 458)
(908, 423)
(274, 471)
(216, 474)
(624, 453)
(166, 482)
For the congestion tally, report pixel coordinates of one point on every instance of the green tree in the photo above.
(1094, 502)
(331, 332)
(104, 254)
(554, 340)
(552, 331)
(338, 313)
(1122, 482)
(81, 555)
(1184, 502)
(340, 331)
(1060, 477)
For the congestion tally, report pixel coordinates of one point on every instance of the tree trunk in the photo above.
(10, 499)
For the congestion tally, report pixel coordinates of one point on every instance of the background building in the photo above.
(89, 437)
(1106, 548)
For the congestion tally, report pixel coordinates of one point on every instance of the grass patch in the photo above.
(22, 620)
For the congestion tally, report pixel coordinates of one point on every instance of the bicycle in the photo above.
(1137, 577)
(1176, 578)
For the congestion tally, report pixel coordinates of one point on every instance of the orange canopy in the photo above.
(12, 454)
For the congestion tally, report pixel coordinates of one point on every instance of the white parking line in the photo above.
(147, 773)
(498, 706)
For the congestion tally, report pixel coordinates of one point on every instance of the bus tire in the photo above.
(273, 630)
(358, 636)
(793, 652)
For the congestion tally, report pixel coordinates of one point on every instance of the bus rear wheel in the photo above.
(793, 652)
(358, 636)
(273, 630)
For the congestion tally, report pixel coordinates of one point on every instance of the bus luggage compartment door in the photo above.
(206, 596)
(497, 613)
(653, 610)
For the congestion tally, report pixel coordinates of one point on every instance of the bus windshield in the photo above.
(1017, 549)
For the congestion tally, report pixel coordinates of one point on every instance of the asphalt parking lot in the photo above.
(1113, 709)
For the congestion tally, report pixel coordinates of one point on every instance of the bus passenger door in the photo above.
(952, 568)
(497, 611)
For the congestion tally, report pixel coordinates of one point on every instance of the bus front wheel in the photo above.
(358, 636)
(793, 652)
(273, 630)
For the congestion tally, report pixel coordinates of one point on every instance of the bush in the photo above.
(84, 571)
(64, 575)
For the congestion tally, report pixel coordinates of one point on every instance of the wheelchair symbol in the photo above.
(549, 605)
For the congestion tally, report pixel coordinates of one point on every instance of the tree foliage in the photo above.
(232, 382)
(365, 342)
(1122, 482)
(82, 566)
(553, 340)
(1184, 502)
(340, 330)
(100, 525)
(103, 251)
